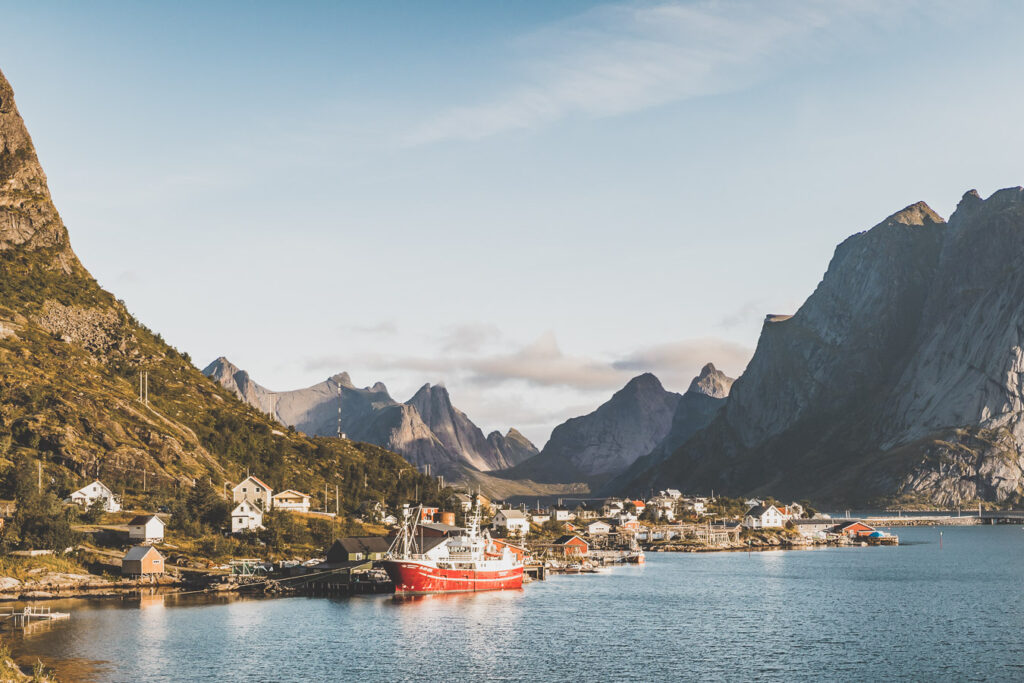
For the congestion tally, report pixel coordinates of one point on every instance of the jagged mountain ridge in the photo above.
(594, 447)
(899, 377)
(427, 429)
(70, 358)
(696, 409)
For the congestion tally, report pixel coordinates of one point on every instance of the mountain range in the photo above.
(640, 421)
(899, 379)
(427, 429)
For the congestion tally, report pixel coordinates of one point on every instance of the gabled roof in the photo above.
(140, 520)
(139, 552)
(759, 510)
(363, 544)
(564, 540)
(291, 491)
(255, 479)
(513, 513)
(94, 481)
(248, 505)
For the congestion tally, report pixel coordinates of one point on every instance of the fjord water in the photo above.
(913, 612)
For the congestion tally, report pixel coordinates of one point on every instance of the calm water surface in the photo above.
(916, 612)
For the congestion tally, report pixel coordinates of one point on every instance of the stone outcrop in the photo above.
(900, 376)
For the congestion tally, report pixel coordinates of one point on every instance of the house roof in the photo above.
(513, 514)
(443, 528)
(95, 481)
(143, 519)
(564, 540)
(255, 479)
(759, 510)
(363, 544)
(291, 491)
(247, 505)
(139, 552)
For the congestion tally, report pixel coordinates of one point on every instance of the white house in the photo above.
(674, 494)
(513, 521)
(464, 501)
(146, 529)
(255, 491)
(87, 495)
(761, 517)
(291, 500)
(599, 528)
(246, 517)
(562, 514)
(539, 516)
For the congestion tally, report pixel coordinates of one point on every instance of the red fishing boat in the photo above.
(462, 563)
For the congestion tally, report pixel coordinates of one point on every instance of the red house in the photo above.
(854, 529)
(571, 545)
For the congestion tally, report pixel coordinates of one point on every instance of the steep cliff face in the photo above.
(595, 447)
(29, 222)
(426, 430)
(899, 376)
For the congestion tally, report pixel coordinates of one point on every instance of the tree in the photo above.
(42, 523)
(94, 513)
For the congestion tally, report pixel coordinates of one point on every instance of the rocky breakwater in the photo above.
(42, 584)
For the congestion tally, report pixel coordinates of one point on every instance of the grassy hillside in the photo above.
(70, 358)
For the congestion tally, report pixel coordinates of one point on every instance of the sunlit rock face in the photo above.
(899, 376)
(427, 430)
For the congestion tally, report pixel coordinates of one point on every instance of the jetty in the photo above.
(25, 617)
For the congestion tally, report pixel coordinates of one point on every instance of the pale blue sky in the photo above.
(531, 202)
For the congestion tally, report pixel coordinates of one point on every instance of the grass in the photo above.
(20, 568)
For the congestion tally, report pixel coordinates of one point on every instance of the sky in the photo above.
(530, 202)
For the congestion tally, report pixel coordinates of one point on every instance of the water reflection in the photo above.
(775, 615)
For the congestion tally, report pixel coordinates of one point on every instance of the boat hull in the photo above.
(419, 578)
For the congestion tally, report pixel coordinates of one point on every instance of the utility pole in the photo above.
(337, 509)
(39, 482)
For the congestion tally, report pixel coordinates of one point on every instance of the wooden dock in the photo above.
(28, 615)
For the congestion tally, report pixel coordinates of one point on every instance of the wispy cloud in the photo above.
(677, 363)
(624, 58)
(543, 364)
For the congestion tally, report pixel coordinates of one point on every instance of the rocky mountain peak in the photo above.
(711, 382)
(918, 213)
(28, 219)
(642, 384)
(379, 388)
(343, 379)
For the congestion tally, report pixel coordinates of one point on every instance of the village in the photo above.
(125, 549)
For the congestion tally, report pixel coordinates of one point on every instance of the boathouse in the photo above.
(854, 529)
(146, 529)
(142, 560)
(357, 548)
(571, 545)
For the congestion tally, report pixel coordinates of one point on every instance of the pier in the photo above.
(28, 615)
